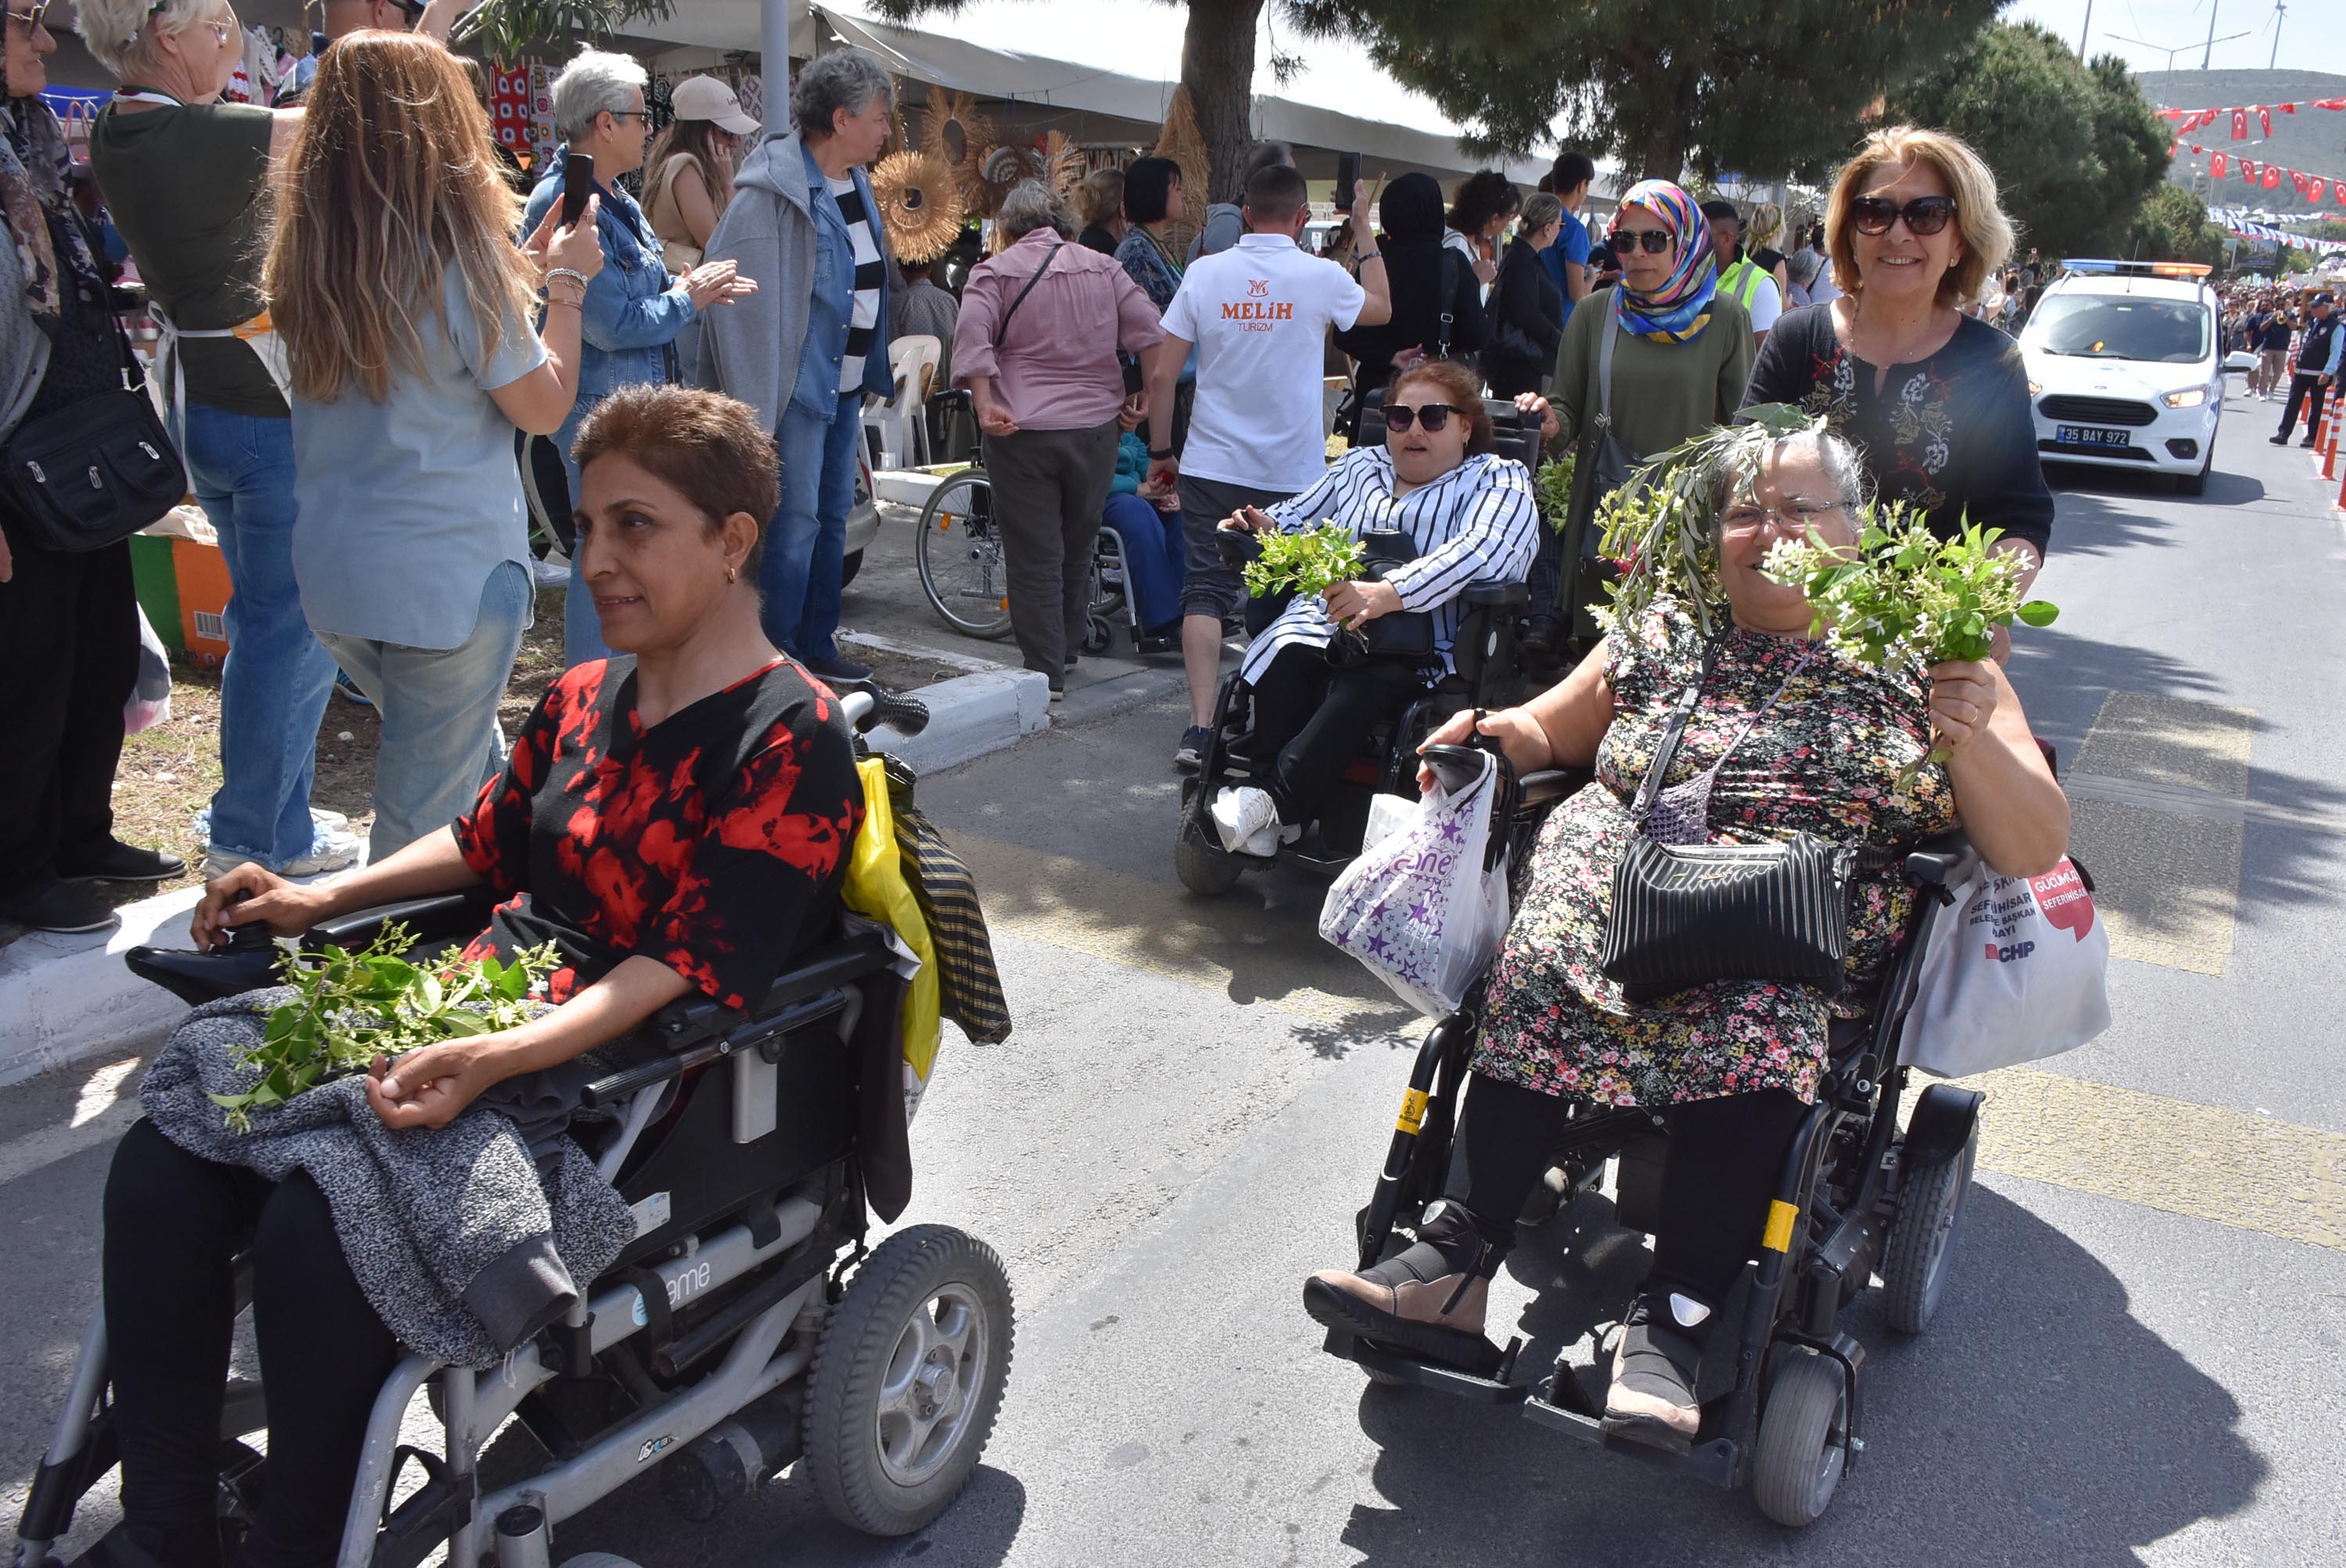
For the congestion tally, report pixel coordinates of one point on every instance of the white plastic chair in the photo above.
(899, 425)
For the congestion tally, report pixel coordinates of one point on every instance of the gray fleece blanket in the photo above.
(464, 1245)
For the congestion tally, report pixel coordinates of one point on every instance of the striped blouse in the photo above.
(1477, 524)
(863, 320)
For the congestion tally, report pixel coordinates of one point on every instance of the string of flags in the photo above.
(2186, 121)
(2247, 227)
(2310, 188)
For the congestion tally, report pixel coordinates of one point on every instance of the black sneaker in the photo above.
(1190, 755)
(120, 862)
(2307, 442)
(836, 669)
(2277, 439)
(67, 907)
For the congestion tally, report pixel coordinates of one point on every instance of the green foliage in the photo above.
(1308, 563)
(1906, 595)
(2173, 227)
(1658, 528)
(352, 1007)
(1552, 488)
(2077, 148)
(503, 30)
(1661, 84)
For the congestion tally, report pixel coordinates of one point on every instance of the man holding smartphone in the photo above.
(1259, 314)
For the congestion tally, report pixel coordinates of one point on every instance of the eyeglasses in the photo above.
(630, 114)
(1652, 241)
(1428, 417)
(1924, 215)
(1797, 514)
(30, 20)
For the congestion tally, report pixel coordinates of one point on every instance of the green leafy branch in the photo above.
(350, 1007)
(1552, 488)
(505, 30)
(1308, 563)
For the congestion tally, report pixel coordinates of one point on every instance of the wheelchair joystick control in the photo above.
(244, 962)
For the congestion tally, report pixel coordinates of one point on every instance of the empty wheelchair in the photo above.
(1858, 1199)
(748, 1326)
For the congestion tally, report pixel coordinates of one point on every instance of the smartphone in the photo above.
(577, 185)
(1348, 179)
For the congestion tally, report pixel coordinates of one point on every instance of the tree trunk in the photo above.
(1661, 154)
(1217, 68)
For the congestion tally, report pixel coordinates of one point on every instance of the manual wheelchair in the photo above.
(745, 1328)
(1489, 674)
(1857, 1198)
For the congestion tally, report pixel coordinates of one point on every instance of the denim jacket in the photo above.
(633, 309)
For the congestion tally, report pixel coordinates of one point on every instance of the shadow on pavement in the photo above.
(2038, 1421)
(2063, 677)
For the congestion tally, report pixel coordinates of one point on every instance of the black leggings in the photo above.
(174, 1224)
(1726, 1156)
(1310, 715)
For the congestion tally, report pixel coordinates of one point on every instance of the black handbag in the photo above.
(1688, 914)
(1404, 633)
(93, 473)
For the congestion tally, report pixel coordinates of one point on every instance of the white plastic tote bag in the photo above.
(2016, 970)
(149, 703)
(1417, 907)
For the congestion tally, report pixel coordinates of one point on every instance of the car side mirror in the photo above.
(2238, 361)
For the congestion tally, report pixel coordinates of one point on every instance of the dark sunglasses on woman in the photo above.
(1653, 241)
(1924, 215)
(1432, 416)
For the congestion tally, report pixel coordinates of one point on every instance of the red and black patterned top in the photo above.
(714, 842)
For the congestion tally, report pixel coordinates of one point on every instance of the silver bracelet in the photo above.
(572, 273)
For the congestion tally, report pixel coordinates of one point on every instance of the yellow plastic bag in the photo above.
(876, 890)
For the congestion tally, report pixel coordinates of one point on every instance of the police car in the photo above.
(2124, 369)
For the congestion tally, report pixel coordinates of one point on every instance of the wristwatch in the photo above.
(1157, 455)
(1367, 256)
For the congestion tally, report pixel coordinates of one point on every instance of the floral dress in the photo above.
(1823, 760)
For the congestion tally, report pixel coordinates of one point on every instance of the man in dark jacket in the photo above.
(2318, 356)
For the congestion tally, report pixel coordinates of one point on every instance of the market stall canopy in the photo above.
(1113, 106)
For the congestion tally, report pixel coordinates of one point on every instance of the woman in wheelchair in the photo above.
(676, 818)
(1469, 517)
(1788, 737)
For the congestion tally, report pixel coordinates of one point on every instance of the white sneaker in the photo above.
(1247, 820)
(335, 851)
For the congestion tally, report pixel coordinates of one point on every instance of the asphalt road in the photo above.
(2138, 1361)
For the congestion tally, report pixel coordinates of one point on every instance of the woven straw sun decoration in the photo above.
(920, 206)
(956, 135)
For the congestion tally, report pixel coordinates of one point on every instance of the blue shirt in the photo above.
(833, 299)
(406, 505)
(634, 308)
(1570, 249)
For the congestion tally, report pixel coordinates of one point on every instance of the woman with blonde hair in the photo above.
(1761, 239)
(404, 310)
(1935, 400)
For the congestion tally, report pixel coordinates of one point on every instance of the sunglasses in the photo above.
(30, 19)
(1652, 241)
(1924, 215)
(1429, 417)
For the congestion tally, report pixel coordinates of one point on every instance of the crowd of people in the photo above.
(2299, 346)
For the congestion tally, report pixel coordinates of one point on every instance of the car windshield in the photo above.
(2103, 327)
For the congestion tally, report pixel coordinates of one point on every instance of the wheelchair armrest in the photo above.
(1551, 784)
(1496, 596)
(1941, 861)
(439, 917)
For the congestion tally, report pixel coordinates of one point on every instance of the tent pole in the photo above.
(774, 66)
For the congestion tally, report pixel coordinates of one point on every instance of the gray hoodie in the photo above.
(751, 349)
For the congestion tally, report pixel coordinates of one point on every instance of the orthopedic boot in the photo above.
(1429, 1299)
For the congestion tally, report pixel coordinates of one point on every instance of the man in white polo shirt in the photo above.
(1259, 314)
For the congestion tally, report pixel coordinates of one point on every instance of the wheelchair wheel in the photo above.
(1921, 1249)
(1803, 1447)
(907, 1378)
(959, 552)
(1099, 636)
(1206, 869)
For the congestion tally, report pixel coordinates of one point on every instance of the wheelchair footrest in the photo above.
(1714, 1461)
(1404, 1368)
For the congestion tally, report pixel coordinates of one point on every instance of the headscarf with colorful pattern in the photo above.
(34, 168)
(1679, 311)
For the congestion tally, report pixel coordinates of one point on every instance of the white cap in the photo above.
(707, 99)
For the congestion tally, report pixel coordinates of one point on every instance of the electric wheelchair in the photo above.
(1489, 674)
(746, 1328)
(1857, 1198)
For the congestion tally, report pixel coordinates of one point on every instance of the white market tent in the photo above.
(975, 53)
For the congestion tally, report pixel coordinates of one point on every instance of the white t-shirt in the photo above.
(1260, 314)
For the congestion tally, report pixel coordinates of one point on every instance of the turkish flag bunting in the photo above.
(2329, 103)
(2216, 166)
(2239, 125)
(2288, 108)
(2272, 177)
(2248, 169)
(2171, 113)
(2315, 190)
(2264, 118)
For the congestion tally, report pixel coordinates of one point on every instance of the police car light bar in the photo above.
(2141, 268)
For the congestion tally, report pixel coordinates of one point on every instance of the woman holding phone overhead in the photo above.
(412, 361)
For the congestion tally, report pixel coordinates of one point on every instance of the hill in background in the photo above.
(2311, 140)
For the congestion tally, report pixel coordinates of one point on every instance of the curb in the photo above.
(66, 999)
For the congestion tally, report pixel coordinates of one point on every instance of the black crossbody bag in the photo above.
(95, 472)
(1688, 914)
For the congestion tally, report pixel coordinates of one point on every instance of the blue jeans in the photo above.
(273, 690)
(440, 740)
(582, 629)
(806, 545)
(1154, 552)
